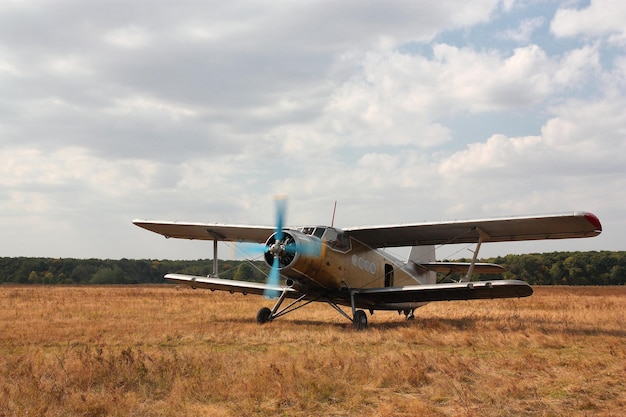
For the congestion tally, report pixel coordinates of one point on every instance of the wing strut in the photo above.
(482, 236)
(215, 267)
(215, 242)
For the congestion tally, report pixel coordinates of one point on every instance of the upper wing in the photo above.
(207, 231)
(556, 226)
(446, 292)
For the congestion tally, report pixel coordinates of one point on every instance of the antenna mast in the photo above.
(332, 222)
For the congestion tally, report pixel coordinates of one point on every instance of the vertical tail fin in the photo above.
(423, 254)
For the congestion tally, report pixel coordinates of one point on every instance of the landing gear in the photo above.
(264, 315)
(409, 314)
(360, 320)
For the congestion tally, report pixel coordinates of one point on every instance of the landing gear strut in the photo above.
(264, 315)
(359, 318)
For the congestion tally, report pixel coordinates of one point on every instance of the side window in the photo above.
(343, 242)
(337, 240)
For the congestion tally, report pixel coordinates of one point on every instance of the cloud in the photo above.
(600, 18)
(130, 37)
(524, 31)
(238, 67)
(578, 158)
(204, 111)
(400, 99)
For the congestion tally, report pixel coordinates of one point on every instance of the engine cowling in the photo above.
(294, 247)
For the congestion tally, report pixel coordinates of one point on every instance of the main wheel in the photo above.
(360, 320)
(264, 315)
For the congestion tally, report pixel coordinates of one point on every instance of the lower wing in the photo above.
(458, 267)
(229, 285)
(409, 294)
(446, 292)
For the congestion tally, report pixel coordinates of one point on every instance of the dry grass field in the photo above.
(159, 351)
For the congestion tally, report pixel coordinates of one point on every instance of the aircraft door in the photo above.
(388, 275)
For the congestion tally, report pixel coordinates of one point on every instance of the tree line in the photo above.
(564, 268)
(555, 268)
(123, 271)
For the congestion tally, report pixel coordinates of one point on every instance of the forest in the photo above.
(123, 271)
(554, 268)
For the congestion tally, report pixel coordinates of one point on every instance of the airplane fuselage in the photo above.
(342, 263)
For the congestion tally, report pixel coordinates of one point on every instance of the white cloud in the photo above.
(72, 168)
(399, 99)
(8, 68)
(577, 161)
(507, 5)
(152, 107)
(499, 155)
(130, 37)
(582, 136)
(524, 31)
(591, 134)
(69, 66)
(600, 18)
(204, 111)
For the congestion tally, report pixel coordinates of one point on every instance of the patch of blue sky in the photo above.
(524, 24)
(473, 128)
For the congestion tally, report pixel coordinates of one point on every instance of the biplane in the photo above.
(349, 266)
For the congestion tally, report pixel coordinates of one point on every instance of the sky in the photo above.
(401, 111)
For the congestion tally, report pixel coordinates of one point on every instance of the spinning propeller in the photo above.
(281, 248)
(276, 249)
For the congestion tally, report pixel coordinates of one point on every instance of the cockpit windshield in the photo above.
(334, 238)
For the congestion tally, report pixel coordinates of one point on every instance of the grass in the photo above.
(163, 351)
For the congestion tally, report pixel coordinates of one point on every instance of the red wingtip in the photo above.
(593, 219)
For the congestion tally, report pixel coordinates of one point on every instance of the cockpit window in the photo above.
(334, 238)
(308, 230)
(337, 240)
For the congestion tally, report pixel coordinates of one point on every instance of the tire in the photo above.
(360, 320)
(264, 315)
